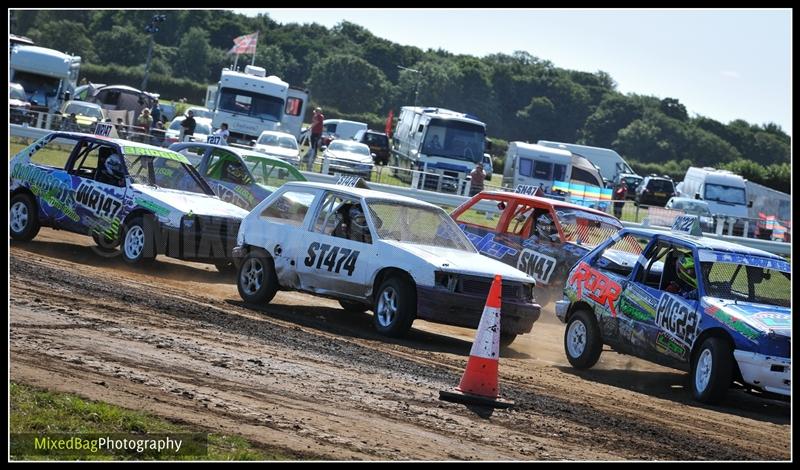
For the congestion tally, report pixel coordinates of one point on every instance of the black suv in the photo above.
(655, 191)
(378, 143)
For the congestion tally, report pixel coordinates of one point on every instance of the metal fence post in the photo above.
(325, 164)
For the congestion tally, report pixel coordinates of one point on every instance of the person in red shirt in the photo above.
(619, 195)
(316, 133)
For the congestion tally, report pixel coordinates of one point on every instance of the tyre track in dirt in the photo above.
(321, 384)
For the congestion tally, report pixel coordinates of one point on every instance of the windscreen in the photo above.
(586, 228)
(744, 283)
(724, 194)
(455, 139)
(252, 104)
(164, 173)
(345, 146)
(418, 225)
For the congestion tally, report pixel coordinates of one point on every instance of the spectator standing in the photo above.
(188, 125)
(619, 198)
(156, 113)
(477, 176)
(316, 134)
(144, 122)
(223, 133)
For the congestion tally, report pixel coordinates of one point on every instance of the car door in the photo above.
(333, 259)
(99, 196)
(654, 323)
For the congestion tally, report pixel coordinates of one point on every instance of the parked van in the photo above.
(340, 129)
(608, 161)
(725, 192)
(533, 164)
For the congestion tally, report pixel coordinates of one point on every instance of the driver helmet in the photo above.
(114, 166)
(358, 224)
(684, 266)
(546, 228)
(234, 171)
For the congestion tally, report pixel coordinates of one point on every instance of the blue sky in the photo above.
(723, 64)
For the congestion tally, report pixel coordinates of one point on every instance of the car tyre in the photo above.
(712, 370)
(353, 306)
(23, 224)
(138, 242)
(256, 278)
(582, 341)
(395, 307)
(226, 267)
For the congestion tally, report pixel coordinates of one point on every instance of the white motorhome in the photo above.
(768, 201)
(608, 161)
(537, 165)
(725, 192)
(48, 76)
(437, 140)
(251, 103)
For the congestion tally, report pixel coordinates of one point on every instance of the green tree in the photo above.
(349, 84)
(193, 55)
(52, 34)
(123, 45)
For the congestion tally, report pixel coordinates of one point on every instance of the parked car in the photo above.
(238, 176)
(200, 112)
(400, 257)
(339, 129)
(378, 143)
(279, 144)
(201, 131)
(18, 104)
(694, 207)
(81, 116)
(540, 236)
(145, 199)
(655, 191)
(716, 309)
(632, 181)
(346, 156)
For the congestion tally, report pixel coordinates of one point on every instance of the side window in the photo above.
(290, 208)
(652, 272)
(525, 167)
(55, 153)
(342, 217)
(520, 219)
(620, 257)
(293, 106)
(227, 167)
(542, 170)
(86, 162)
(559, 172)
(485, 214)
(194, 154)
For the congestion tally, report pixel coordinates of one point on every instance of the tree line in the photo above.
(353, 74)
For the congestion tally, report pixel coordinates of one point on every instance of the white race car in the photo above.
(400, 257)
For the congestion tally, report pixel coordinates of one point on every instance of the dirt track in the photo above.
(303, 376)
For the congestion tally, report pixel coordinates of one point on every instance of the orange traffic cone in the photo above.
(479, 383)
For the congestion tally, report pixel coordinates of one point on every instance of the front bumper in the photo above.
(459, 309)
(203, 239)
(772, 374)
(562, 307)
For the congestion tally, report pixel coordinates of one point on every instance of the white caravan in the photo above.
(535, 165)
(608, 161)
(48, 76)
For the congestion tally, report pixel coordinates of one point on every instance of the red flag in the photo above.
(389, 123)
(245, 44)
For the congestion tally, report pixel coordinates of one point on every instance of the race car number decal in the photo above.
(600, 288)
(678, 318)
(326, 255)
(538, 265)
(100, 202)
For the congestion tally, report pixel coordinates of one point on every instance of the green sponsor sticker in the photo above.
(150, 205)
(150, 152)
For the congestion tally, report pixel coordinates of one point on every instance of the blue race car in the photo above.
(716, 309)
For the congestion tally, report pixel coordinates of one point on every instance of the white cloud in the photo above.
(730, 73)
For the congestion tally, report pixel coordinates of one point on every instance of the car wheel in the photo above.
(138, 242)
(582, 341)
(506, 339)
(395, 307)
(23, 223)
(353, 307)
(256, 279)
(712, 370)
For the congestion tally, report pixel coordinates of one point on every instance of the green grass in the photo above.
(35, 410)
